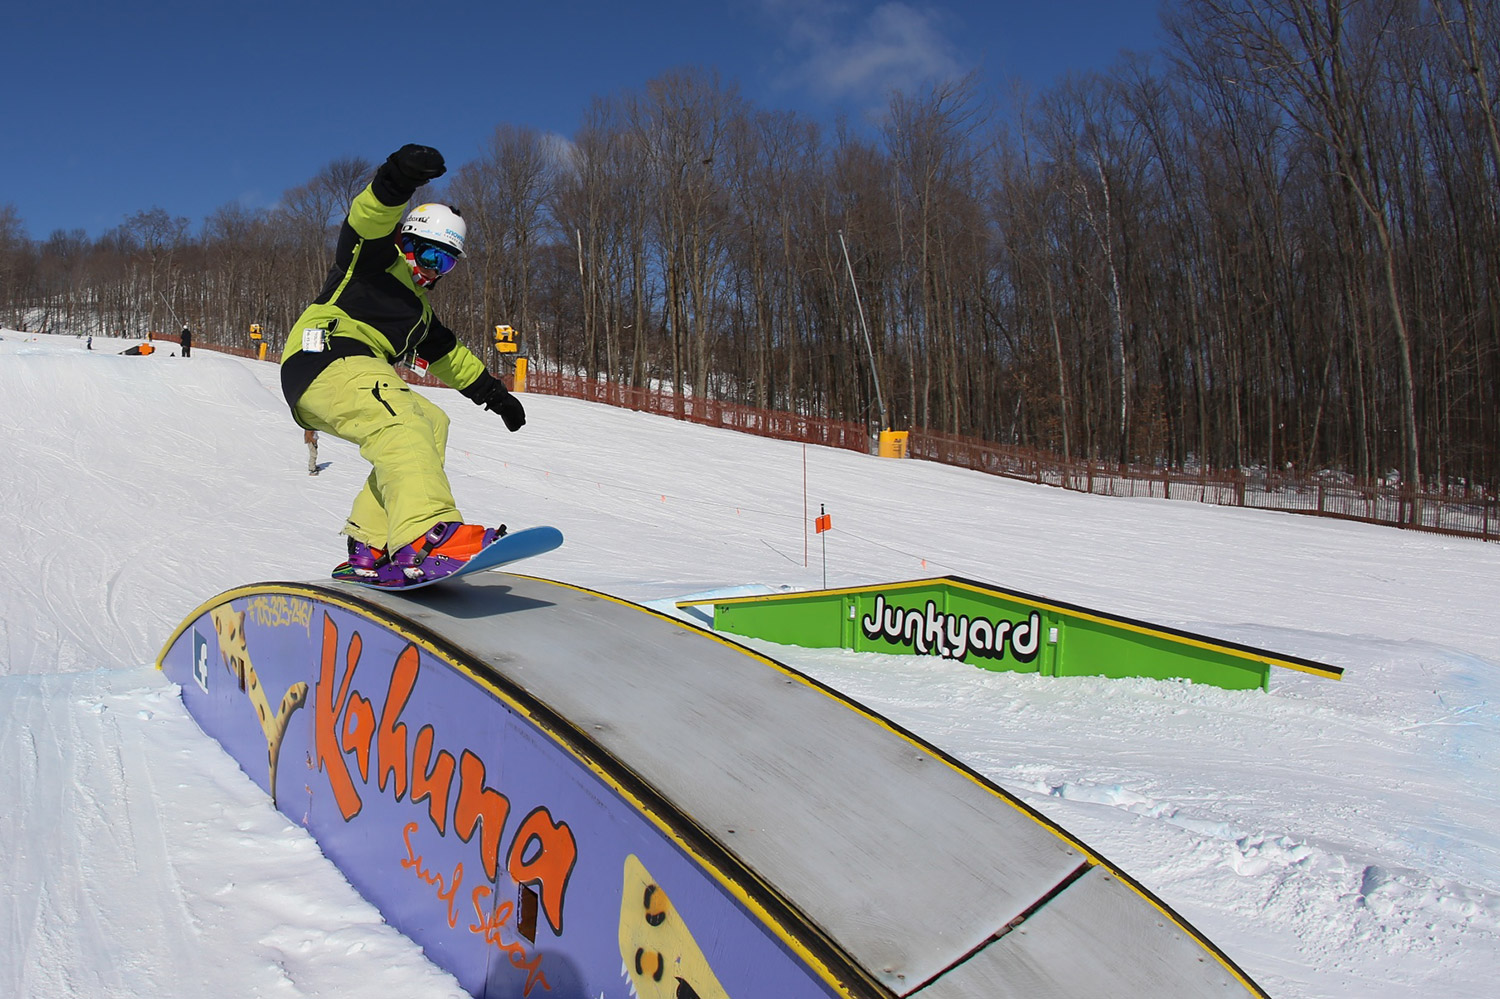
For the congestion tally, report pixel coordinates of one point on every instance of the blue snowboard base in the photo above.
(510, 548)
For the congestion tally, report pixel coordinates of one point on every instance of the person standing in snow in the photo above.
(186, 339)
(310, 438)
(338, 377)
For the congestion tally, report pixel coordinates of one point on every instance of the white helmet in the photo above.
(437, 223)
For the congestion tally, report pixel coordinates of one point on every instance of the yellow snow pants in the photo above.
(404, 438)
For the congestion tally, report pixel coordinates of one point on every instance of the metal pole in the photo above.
(874, 375)
(170, 309)
(823, 510)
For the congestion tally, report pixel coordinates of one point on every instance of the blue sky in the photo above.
(188, 106)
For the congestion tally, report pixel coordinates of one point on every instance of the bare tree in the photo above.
(312, 211)
(1318, 60)
(682, 124)
(935, 143)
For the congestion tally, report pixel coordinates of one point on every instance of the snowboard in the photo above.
(502, 551)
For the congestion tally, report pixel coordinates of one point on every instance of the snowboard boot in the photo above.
(364, 562)
(443, 550)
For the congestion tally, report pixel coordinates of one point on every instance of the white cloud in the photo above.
(842, 52)
(560, 149)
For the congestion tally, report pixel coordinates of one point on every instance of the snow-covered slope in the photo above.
(1334, 838)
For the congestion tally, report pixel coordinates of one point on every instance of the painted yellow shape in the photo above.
(230, 626)
(662, 961)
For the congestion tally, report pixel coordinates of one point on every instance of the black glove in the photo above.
(405, 170)
(489, 392)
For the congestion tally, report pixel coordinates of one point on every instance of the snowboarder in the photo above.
(338, 378)
(186, 339)
(310, 438)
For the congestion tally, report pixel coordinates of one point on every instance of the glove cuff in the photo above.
(480, 390)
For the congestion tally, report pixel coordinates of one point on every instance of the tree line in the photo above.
(1273, 243)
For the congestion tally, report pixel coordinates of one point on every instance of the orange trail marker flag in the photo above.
(823, 523)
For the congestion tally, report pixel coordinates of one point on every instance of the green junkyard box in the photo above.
(995, 629)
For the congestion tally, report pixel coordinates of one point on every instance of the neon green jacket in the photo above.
(371, 305)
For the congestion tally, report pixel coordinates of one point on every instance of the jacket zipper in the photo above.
(378, 398)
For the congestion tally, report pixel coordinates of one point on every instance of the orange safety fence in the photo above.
(1464, 511)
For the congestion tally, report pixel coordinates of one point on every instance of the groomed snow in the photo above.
(1335, 838)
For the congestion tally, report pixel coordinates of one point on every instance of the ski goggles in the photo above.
(431, 257)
